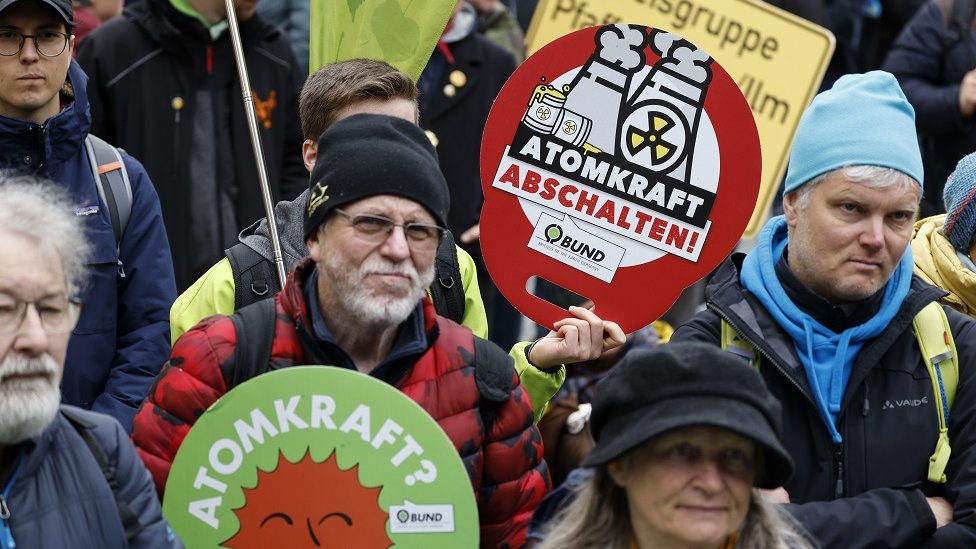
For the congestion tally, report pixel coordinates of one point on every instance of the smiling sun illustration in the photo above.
(309, 504)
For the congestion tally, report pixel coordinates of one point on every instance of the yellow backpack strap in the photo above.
(738, 345)
(939, 353)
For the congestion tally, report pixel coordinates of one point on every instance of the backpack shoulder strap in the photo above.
(254, 327)
(738, 345)
(938, 349)
(112, 181)
(447, 291)
(493, 377)
(130, 521)
(254, 276)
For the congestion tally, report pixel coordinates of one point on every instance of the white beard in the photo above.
(356, 300)
(27, 406)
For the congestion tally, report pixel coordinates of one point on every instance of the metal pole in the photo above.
(252, 123)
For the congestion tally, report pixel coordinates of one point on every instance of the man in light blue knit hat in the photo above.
(824, 306)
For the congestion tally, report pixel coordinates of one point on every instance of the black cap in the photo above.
(371, 154)
(63, 7)
(679, 385)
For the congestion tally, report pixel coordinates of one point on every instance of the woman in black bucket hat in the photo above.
(686, 436)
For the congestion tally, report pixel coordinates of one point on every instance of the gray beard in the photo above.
(27, 406)
(366, 309)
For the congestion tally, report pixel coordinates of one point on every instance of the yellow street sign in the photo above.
(777, 59)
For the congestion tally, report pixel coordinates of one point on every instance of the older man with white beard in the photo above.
(68, 477)
(376, 214)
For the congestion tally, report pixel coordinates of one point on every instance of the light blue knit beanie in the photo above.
(864, 120)
(960, 189)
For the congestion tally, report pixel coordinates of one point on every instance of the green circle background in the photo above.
(348, 389)
(553, 232)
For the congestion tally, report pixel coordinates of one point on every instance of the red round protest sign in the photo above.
(620, 162)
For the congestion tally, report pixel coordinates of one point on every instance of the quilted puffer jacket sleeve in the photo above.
(515, 476)
(191, 380)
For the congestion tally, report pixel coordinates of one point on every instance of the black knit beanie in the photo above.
(371, 154)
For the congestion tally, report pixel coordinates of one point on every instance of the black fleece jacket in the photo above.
(169, 94)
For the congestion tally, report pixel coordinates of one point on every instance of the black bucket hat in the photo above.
(680, 385)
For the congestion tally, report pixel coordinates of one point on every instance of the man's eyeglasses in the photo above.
(376, 229)
(47, 43)
(58, 315)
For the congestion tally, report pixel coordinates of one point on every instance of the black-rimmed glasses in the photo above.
(47, 43)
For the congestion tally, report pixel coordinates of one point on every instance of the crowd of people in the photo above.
(822, 395)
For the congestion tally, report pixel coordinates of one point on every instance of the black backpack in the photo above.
(254, 326)
(255, 278)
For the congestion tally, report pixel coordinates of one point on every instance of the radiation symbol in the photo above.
(654, 135)
(653, 138)
(543, 112)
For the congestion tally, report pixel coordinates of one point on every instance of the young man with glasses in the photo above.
(122, 335)
(54, 491)
(376, 212)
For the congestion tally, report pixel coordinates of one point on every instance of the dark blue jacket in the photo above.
(930, 68)
(869, 491)
(122, 337)
(58, 496)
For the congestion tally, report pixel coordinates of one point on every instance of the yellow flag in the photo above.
(401, 32)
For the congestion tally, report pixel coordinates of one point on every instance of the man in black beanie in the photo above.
(375, 216)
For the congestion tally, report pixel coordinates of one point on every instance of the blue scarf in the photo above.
(827, 357)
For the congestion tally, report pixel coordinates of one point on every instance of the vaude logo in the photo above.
(914, 403)
(412, 518)
(555, 235)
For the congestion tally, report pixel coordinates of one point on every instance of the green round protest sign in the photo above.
(319, 456)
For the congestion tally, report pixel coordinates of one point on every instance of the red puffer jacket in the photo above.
(505, 465)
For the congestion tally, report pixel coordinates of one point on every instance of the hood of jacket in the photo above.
(182, 35)
(43, 150)
(290, 218)
(938, 263)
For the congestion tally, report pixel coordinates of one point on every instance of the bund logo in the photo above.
(263, 107)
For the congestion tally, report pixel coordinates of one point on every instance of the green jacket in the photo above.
(213, 293)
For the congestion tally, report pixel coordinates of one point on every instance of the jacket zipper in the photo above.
(177, 103)
(838, 471)
(838, 455)
(6, 535)
(35, 134)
